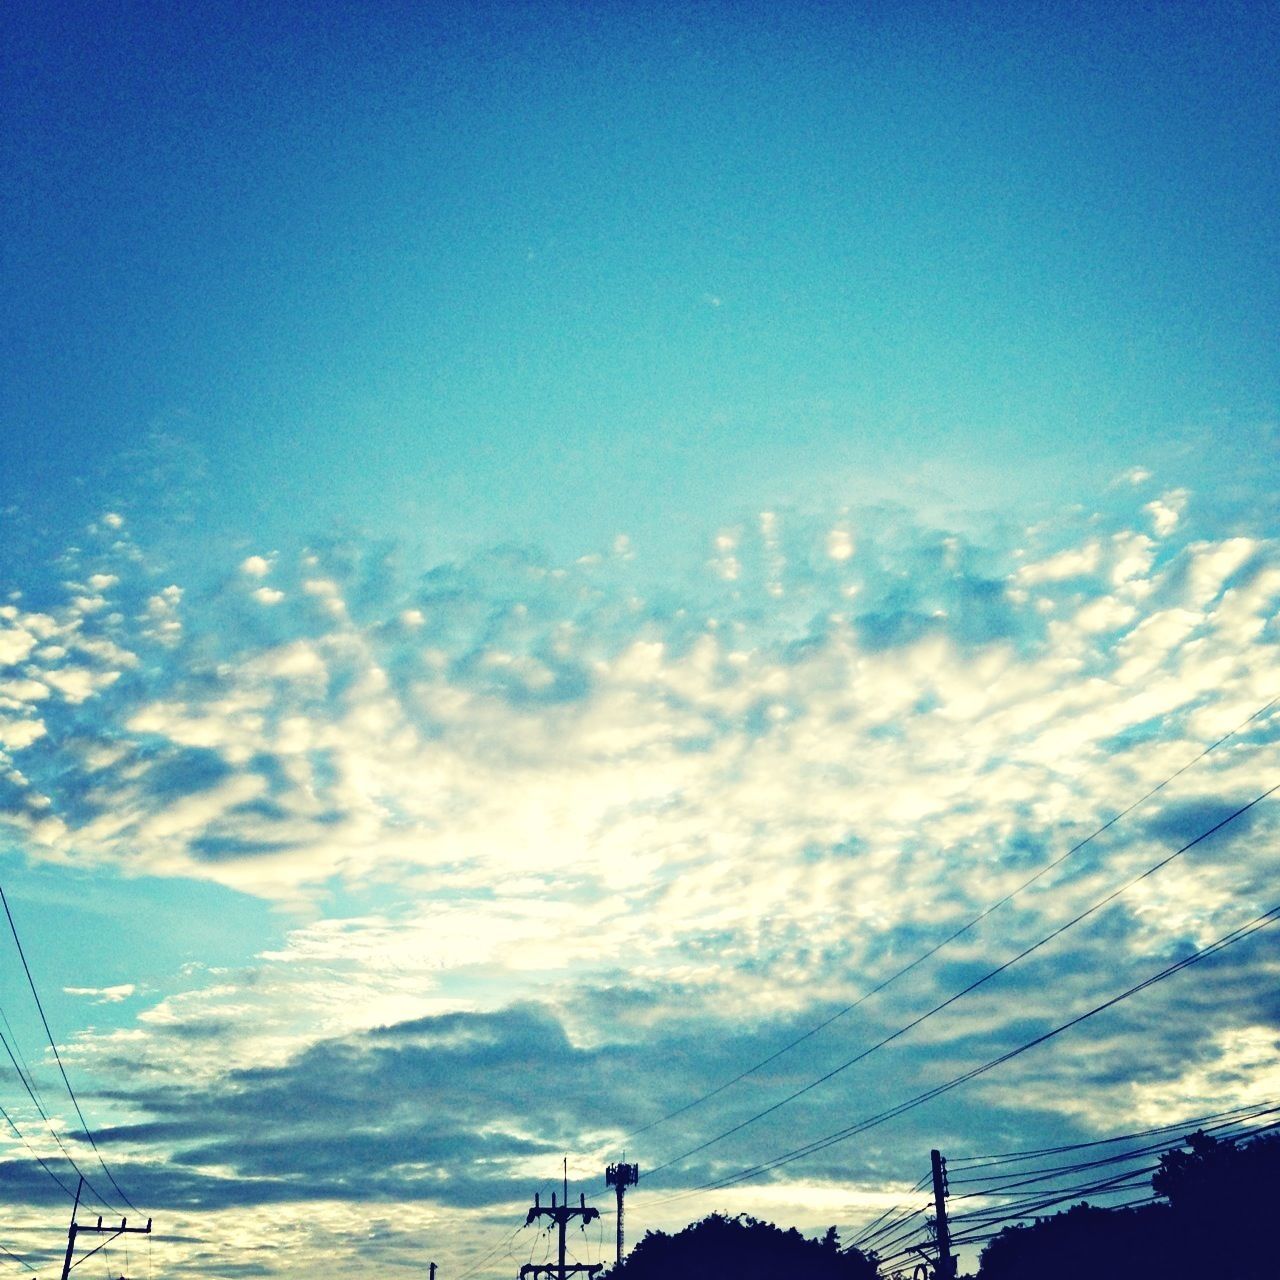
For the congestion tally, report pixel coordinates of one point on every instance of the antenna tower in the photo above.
(620, 1177)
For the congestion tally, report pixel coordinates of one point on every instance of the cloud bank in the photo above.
(559, 850)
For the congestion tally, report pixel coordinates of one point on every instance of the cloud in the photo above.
(104, 995)
(840, 544)
(520, 821)
(1166, 511)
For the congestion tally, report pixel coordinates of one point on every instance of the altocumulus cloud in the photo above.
(633, 837)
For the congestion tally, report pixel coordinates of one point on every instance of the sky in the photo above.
(547, 550)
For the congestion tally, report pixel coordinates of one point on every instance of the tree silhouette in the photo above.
(744, 1248)
(1215, 1224)
(1102, 1244)
(1222, 1197)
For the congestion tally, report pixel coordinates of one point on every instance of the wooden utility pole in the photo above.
(620, 1177)
(561, 1215)
(946, 1266)
(98, 1229)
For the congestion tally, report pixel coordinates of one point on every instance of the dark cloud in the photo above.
(1179, 822)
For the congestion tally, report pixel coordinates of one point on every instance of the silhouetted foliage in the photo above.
(1222, 1197)
(1215, 1224)
(745, 1249)
(1103, 1244)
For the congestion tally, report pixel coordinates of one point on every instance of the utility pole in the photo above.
(561, 1215)
(946, 1266)
(620, 1177)
(110, 1231)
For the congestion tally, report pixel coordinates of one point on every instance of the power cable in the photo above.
(1029, 1205)
(902, 1245)
(1237, 935)
(475, 1266)
(84, 1257)
(894, 1214)
(31, 982)
(35, 1154)
(1023, 1176)
(964, 1235)
(53, 1133)
(1029, 1178)
(900, 1233)
(31, 1075)
(1034, 1203)
(22, 1262)
(985, 1234)
(889, 1228)
(1248, 1111)
(964, 991)
(963, 929)
(893, 1208)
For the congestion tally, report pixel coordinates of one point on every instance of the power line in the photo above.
(35, 1154)
(31, 1075)
(981, 1235)
(1029, 1177)
(894, 1233)
(31, 982)
(871, 1227)
(866, 1240)
(1042, 1199)
(471, 1270)
(1237, 935)
(1248, 1111)
(22, 1262)
(973, 986)
(1034, 1203)
(31, 1093)
(899, 1240)
(963, 929)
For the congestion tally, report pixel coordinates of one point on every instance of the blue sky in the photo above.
(557, 544)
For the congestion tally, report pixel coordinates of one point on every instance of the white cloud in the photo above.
(17, 734)
(532, 780)
(104, 995)
(1071, 563)
(1166, 511)
(76, 684)
(16, 692)
(840, 544)
(15, 644)
(161, 620)
(268, 595)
